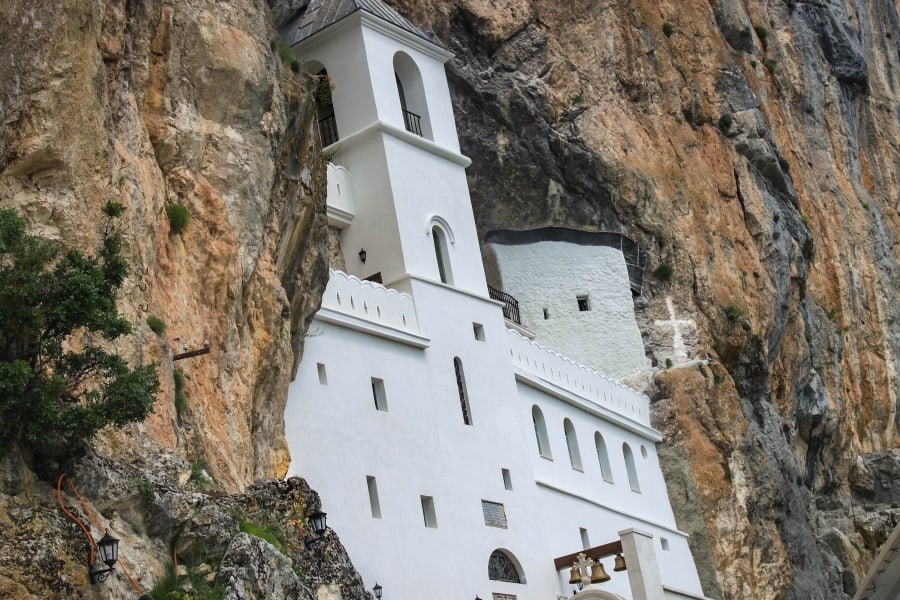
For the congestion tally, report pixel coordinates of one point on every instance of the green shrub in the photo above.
(770, 65)
(577, 99)
(763, 35)
(180, 399)
(156, 325)
(56, 392)
(263, 532)
(146, 489)
(753, 63)
(668, 29)
(733, 313)
(664, 271)
(179, 218)
(200, 475)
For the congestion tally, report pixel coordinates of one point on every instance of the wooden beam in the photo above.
(192, 353)
(596, 553)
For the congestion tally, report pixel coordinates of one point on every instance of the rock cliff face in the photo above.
(156, 103)
(153, 103)
(753, 147)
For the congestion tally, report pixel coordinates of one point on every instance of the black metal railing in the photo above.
(328, 131)
(510, 304)
(412, 122)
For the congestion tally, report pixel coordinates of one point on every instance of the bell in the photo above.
(620, 563)
(598, 573)
(575, 576)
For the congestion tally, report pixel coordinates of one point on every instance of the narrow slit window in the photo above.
(507, 480)
(478, 328)
(379, 395)
(540, 432)
(572, 444)
(463, 395)
(323, 376)
(585, 540)
(584, 303)
(546, 313)
(428, 511)
(630, 469)
(664, 543)
(374, 504)
(603, 457)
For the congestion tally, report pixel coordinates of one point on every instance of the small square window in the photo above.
(428, 511)
(583, 303)
(585, 540)
(323, 377)
(378, 394)
(507, 480)
(479, 331)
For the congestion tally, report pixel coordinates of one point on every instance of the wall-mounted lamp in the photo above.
(362, 255)
(317, 524)
(377, 590)
(108, 551)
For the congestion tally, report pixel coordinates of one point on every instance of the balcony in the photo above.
(412, 122)
(510, 305)
(328, 132)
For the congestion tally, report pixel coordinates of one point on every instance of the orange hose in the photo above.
(87, 534)
(93, 518)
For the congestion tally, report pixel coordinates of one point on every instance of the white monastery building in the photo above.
(456, 457)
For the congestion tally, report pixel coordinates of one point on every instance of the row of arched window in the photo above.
(543, 444)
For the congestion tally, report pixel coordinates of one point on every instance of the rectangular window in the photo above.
(323, 377)
(583, 303)
(585, 540)
(664, 543)
(507, 481)
(428, 511)
(494, 514)
(479, 331)
(546, 313)
(378, 394)
(374, 504)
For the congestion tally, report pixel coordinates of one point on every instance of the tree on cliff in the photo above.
(57, 385)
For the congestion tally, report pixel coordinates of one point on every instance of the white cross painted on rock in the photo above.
(678, 347)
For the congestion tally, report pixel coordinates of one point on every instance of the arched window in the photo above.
(632, 471)
(540, 432)
(503, 566)
(442, 255)
(572, 444)
(328, 132)
(603, 457)
(463, 395)
(411, 91)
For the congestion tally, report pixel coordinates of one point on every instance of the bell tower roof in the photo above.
(321, 14)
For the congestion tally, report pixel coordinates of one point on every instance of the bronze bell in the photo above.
(575, 576)
(598, 573)
(620, 563)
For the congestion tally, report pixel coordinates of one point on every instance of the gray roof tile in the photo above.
(321, 14)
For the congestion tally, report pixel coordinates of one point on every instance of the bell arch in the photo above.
(594, 594)
(411, 92)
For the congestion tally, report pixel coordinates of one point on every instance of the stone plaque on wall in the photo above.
(494, 514)
(504, 596)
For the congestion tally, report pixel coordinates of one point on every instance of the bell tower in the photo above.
(389, 130)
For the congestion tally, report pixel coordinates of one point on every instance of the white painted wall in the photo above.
(551, 275)
(420, 446)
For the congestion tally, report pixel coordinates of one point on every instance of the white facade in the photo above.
(577, 300)
(412, 412)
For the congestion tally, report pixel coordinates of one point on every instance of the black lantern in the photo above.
(377, 590)
(317, 524)
(108, 551)
(362, 255)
